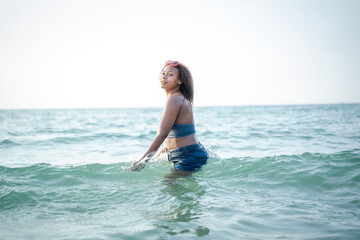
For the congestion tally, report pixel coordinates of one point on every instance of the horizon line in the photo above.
(200, 106)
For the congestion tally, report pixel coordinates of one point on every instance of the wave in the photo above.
(72, 139)
(8, 143)
(327, 170)
(247, 191)
(306, 171)
(85, 138)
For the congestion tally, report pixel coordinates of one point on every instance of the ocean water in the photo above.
(274, 172)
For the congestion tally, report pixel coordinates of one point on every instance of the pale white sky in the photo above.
(91, 54)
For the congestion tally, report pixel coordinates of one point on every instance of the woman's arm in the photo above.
(168, 118)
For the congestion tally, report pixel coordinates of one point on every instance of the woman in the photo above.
(177, 122)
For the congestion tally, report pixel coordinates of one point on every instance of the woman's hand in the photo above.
(163, 150)
(140, 164)
(137, 166)
(136, 163)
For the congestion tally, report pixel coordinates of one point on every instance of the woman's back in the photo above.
(183, 131)
(185, 115)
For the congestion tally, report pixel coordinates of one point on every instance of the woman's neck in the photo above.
(172, 91)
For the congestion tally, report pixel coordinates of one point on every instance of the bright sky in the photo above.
(93, 54)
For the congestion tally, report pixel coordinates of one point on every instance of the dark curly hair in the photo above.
(187, 85)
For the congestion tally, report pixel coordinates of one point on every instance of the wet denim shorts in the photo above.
(189, 158)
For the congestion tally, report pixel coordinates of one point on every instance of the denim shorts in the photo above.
(189, 158)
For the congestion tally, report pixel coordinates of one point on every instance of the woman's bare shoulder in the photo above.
(176, 99)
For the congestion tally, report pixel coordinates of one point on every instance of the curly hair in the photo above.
(187, 84)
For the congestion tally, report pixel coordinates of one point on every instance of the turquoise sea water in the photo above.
(275, 172)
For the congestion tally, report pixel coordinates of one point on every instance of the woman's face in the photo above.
(169, 77)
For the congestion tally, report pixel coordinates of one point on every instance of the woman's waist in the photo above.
(175, 143)
(186, 149)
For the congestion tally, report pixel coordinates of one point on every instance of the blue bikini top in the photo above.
(181, 130)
